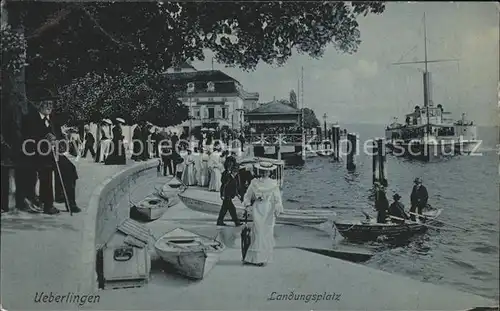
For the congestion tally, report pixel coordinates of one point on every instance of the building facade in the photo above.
(273, 116)
(215, 99)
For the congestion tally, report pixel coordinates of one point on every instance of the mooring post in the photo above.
(303, 146)
(381, 155)
(351, 151)
(278, 147)
(375, 166)
(336, 142)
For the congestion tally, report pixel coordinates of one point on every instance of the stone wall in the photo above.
(102, 216)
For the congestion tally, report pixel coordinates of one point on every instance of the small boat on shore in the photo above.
(201, 200)
(152, 207)
(370, 230)
(170, 191)
(190, 254)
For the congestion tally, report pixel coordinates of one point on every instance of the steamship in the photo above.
(429, 132)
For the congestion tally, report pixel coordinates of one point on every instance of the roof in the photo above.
(200, 76)
(185, 65)
(274, 107)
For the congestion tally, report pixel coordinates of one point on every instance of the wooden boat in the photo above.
(170, 191)
(190, 254)
(370, 230)
(202, 200)
(152, 207)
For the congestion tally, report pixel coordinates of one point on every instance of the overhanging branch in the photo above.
(104, 32)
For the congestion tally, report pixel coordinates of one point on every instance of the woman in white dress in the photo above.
(197, 166)
(263, 201)
(181, 166)
(203, 178)
(216, 168)
(188, 172)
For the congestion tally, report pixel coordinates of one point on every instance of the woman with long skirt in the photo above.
(188, 172)
(203, 178)
(216, 168)
(263, 200)
(117, 155)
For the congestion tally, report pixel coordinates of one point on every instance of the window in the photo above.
(224, 113)
(197, 113)
(211, 112)
(210, 87)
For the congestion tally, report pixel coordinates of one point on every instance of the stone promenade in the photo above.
(42, 253)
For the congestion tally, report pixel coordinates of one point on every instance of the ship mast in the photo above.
(426, 75)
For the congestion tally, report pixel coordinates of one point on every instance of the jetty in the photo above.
(299, 271)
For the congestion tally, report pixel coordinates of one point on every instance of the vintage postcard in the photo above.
(250, 155)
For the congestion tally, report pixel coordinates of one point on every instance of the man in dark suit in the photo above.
(228, 191)
(418, 198)
(40, 133)
(89, 143)
(244, 179)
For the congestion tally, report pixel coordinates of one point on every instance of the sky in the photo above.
(365, 88)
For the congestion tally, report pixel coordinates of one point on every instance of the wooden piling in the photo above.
(375, 165)
(381, 154)
(352, 139)
(336, 142)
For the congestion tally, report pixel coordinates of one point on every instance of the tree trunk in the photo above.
(14, 101)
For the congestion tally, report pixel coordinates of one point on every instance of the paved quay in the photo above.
(42, 253)
(232, 286)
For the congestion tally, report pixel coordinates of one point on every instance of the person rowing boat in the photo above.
(397, 209)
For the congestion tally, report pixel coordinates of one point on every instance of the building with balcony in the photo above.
(216, 100)
(273, 116)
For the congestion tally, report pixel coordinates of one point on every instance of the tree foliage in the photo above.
(310, 120)
(108, 41)
(69, 39)
(133, 97)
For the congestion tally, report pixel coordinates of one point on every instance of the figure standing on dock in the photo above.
(263, 199)
(188, 174)
(215, 167)
(418, 198)
(381, 203)
(228, 191)
(117, 155)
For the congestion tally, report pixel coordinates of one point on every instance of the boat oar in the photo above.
(414, 222)
(444, 223)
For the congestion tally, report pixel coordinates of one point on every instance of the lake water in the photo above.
(465, 187)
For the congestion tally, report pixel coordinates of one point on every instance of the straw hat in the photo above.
(266, 166)
(120, 120)
(107, 121)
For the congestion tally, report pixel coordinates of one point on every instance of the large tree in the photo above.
(68, 40)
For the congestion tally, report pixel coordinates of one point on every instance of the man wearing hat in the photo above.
(397, 208)
(418, 198)
(104, 143)
(381, 203)
(228, 191)
(117, 155)
(40, 132)
(89, 142)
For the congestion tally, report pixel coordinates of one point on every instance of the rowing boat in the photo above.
(152, 207)
(201, 200)
(370, 230)
(190, 254)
